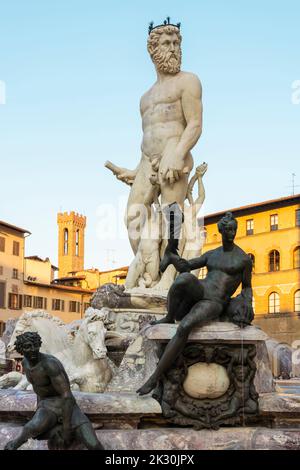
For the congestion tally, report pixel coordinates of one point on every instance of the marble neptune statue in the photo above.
(171, 112)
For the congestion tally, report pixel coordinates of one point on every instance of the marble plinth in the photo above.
(221, 332)
(116, 297)
(243, 438)
(120, 410)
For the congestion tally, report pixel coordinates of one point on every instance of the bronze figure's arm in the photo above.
(247, 282)
(185, 266)
(242, 313)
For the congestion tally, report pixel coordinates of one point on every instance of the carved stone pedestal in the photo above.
(217, 378)
(116, 297)
(128, 312)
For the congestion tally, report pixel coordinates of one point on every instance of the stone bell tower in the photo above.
(70, 243)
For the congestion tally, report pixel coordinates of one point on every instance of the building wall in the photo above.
(95, 278)
(284, 328)
(115, 276)
(57, 301)
(42, 271)
(285, 282)
(71, 261)
(92, 278)
(38, 294)
(8, 262)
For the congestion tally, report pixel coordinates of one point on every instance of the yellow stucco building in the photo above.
(12, 243)
(93, 278)
(270, 233)
(27, 283)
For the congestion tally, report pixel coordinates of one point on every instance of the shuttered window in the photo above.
(14, 301)
(16, 248)
(27, 301)
(2, 244)
(2, 294)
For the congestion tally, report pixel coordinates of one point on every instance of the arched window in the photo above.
(274, 303)
(297, 301)
(77, 243)
(274, 260)
(66, 241)
(297, 258)
(253, 260)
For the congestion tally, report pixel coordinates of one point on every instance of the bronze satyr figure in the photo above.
(196, 302)
(58, 418)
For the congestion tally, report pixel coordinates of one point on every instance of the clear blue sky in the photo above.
(74, 73)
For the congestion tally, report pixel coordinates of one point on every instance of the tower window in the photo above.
(77, 243)
(66, 241)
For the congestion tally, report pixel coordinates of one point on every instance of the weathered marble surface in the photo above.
(280, 403)
(291, 386)
(280, 355)
(114, 296)
(287, 383)
(137, 365)
(263, 380)
(10, 325)
(245, 438)
(24, 403)
(222, 332)
(130, 321)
